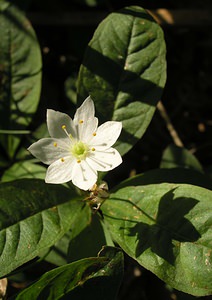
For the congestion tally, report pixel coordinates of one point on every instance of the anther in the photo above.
(55, 144)
(78, 161)
(94, 134)
(62, 159)
(81, 121)
(64, 128)
(93, 149)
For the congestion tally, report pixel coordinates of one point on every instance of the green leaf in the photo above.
(24, 169)
(176, 175)
(20, 73)
(33, 216)
(174, 157)
(88, 242)
(59, 254)
(124, 71)
(167, 228)
(84, 242)
(90, 278)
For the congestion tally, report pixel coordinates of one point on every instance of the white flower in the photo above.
(78, 148)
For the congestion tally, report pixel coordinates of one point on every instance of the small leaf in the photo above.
(89, 278)
(177, 157)
(167, 228)
(20, 74)
(124, 71)
(33, 216)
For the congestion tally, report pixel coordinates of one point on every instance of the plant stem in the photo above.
(169, 125)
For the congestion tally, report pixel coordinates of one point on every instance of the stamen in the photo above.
(64, 128)
(81, 121)
(78, 161)
(55, 144)
(93, 149)
(62, 159)
(94, 134)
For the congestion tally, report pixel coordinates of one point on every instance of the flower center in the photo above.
(80, 150)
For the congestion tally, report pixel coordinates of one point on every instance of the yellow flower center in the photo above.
(80, 150)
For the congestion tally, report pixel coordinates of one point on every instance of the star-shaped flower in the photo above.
(78, 148)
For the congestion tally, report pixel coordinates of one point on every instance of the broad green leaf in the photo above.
(24, 169)
(20, 73)
(176, 175)
(88, 242)
(59, 254)
(83, 243)
(167, 228)
(90, 278)
(124, 71)
(33, 216)
(174, 157)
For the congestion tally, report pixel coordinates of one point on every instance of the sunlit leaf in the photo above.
(167, 228)
(24, 169)
(124, 70)
(33, 216)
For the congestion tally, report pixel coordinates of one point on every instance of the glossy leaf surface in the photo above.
(167, 228)
(24, 169)
(124, 71)
(33, 216)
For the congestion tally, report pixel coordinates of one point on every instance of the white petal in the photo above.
(60, 171)
(84, 176)
(86, 129)
(106, 135)
(104, 160)
(84, 120)
(55, 121)
(48, 150)
(85, 111)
